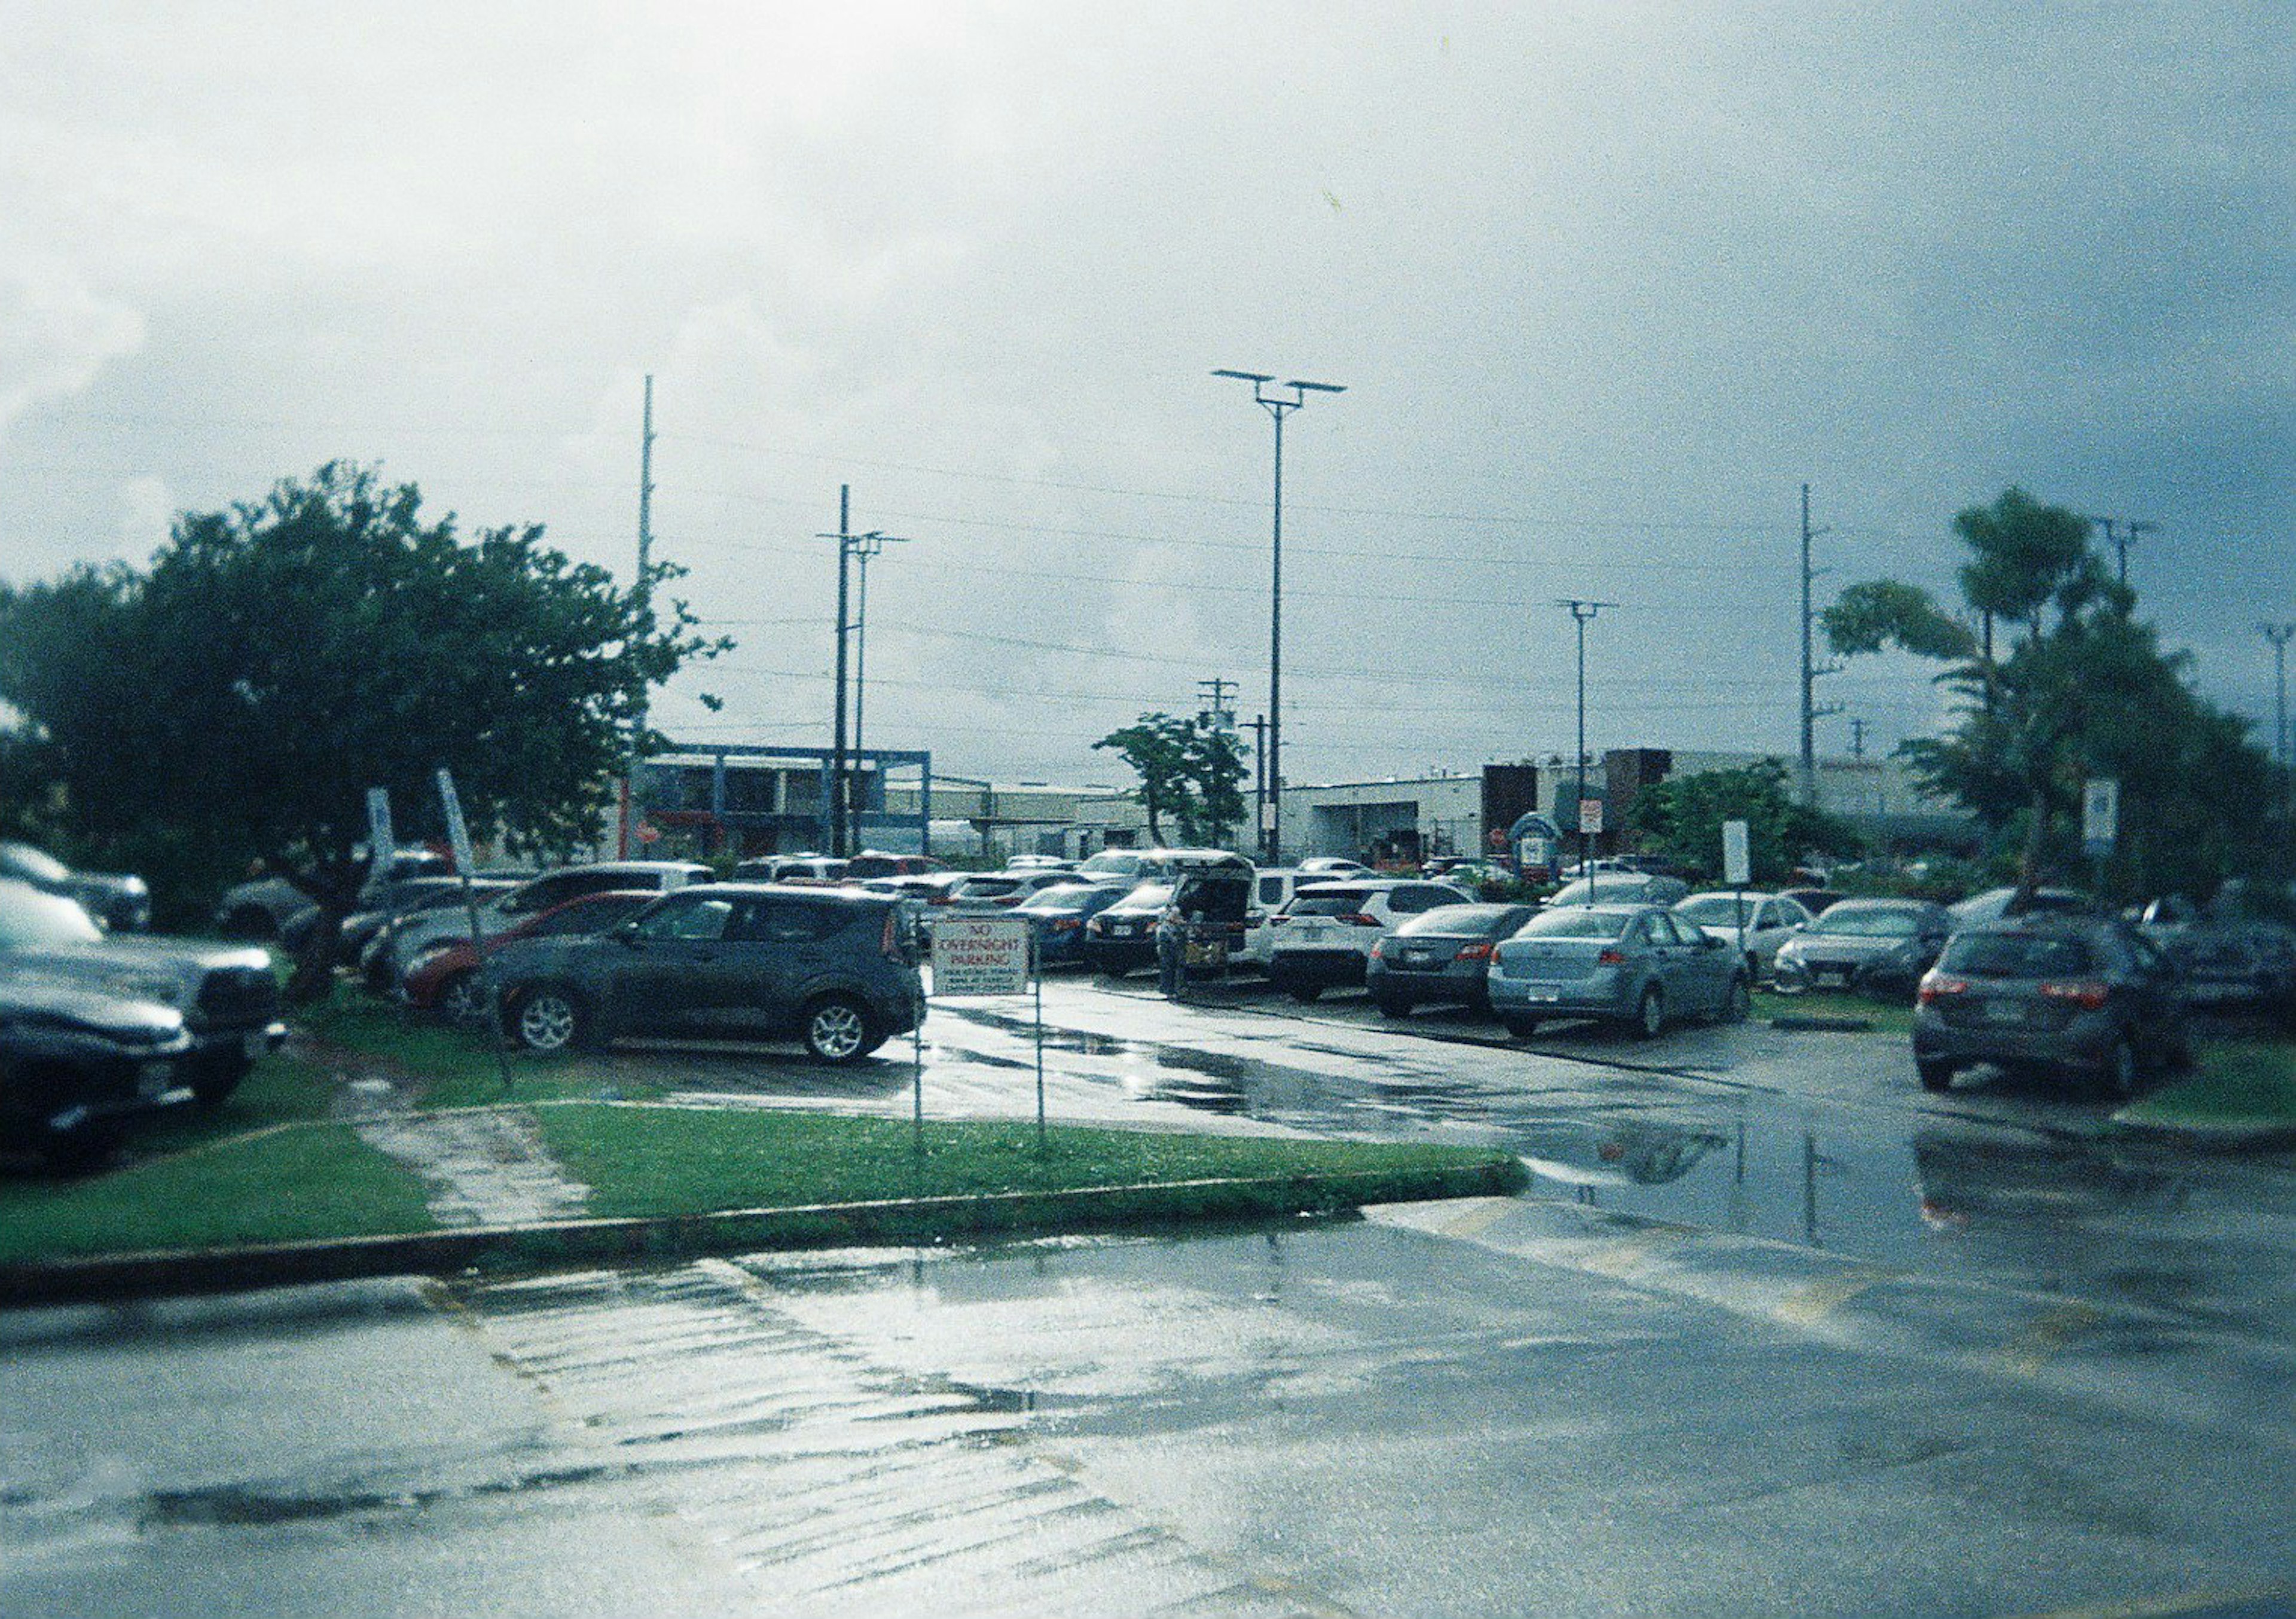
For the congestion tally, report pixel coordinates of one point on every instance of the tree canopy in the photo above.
(2074, 687)
(233, 702)
(1680, 820)
(1190, 770)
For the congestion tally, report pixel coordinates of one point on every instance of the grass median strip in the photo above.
(640, 1160)
(2237, 1085)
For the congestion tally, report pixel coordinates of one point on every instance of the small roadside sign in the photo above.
(380, 844)
(459, 834)
(981, 955)
(1590, 815)
(2100, 815)
(1737, 860)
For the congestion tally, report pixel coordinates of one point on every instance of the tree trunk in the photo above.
(2028, 864)
(314, 968)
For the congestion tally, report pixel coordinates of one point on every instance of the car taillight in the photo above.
(1934, 989)
(1476, 953)
(1379, 949)
(888, 941)
(1062, 924)
(1097, 925)
(1611, 958)
(1361, 921)
(2089, 996)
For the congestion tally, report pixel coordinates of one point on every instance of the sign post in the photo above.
(1590, 825)
(459, 834)
(1737, 868)
(2100, 821)
(990, 955)
(382, 847)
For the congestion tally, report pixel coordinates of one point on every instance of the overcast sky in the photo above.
(1605, 282)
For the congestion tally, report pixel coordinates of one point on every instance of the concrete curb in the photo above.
(559, 1244)
(2222, 1136)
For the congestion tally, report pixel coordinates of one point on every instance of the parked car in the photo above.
(877, 862)
(1040, 862)
(377, 957)
(1628, 964)
(507, 910)
(80, 1067)
(1059, 916)
(1993, 904)
(831, 966)
(1621, 887)
(790, 868)
(264, 907)
(228, 995)
(2065, 995)
(1870, 946)
(1123, 937)
(1324, 937)
(1272, 889)
(119, 902)
(1757, 924)
(1442, 955)
(446, 977)
(405, 896)
(1815, 900)
(1334, 865)
(2225, 957)
(988, 892)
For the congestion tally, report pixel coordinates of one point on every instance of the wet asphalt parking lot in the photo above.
(1774, 1331)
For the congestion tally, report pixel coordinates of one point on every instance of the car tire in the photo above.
(1650, 1013)
(213, 1076)
(546, 1018)
(1937, 1074)
(85, 1150)
(462, 998)
(1303, 990)
(1393, 1005)
(1522, 1028)
(839, 1029)
(1738, 1005)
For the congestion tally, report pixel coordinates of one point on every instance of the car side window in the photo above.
(1271, 891)
(787, 922)
(694, 918)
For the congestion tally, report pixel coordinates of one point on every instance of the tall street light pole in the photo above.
(1271, 830)
(1582, 612)
(864, 546)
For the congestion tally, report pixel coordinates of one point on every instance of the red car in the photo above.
(446, 977)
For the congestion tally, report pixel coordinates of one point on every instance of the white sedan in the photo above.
(1759, 922)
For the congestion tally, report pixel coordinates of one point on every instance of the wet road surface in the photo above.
(1778, 1332)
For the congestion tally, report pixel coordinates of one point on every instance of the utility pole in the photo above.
(2119, 531)
(864, 546)
(1271, 828)
(1856, 738)
(2278, 635)
(837, 761)
(1213, 695)
(644, 594)
(1259, 769)
(1811, 713)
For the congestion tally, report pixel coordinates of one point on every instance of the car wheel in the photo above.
(1650, 1014)
(547, 1019)
(1393, 1005)
(1303, 992)
(838, 1029)
(214, 1076)
(1522, 1028)
(1739, 1004)
(2121, 1073)
(462, 999)
(1937, 1075)
(85, 1150)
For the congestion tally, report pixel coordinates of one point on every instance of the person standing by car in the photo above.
(1172, 949)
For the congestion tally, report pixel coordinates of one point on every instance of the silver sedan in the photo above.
(1631, 964)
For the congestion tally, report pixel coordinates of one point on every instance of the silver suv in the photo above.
(1324, 934)
(721, 960)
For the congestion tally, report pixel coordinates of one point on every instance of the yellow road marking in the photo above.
(2030, 1351)
(1807, 1306)
(1481, 1218)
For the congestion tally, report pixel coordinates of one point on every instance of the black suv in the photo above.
(717, 959)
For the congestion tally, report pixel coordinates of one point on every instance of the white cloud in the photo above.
(55, 335)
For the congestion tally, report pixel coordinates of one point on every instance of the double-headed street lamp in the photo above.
(1580, 612)
(1271, 830)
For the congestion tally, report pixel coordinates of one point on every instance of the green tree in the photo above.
(1190, 770)
(1680, 820)
(2058, 682)
(233, 703)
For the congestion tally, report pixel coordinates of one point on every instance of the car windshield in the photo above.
(36, 865)
(1327, 901)
(2017, 955)
(1617, 885)
(1846, 922)
(1577, 922)
(1107, 863)
(1719, 910)
(1061, 900)
(31, 919)
(1154, 896)
(1465, 921)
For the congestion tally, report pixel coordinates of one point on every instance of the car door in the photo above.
(777, 948)
(669, 970)
(1698, 971)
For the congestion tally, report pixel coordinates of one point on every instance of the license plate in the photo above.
(1830, 979)
(1545, 994)
(2003, 1011)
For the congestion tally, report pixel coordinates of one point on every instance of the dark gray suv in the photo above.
(722, 960)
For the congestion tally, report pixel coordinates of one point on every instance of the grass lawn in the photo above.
(1891, 1017)
(457, 1065)
(287, 1184)
(2234, 1082)
(641, 1160)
